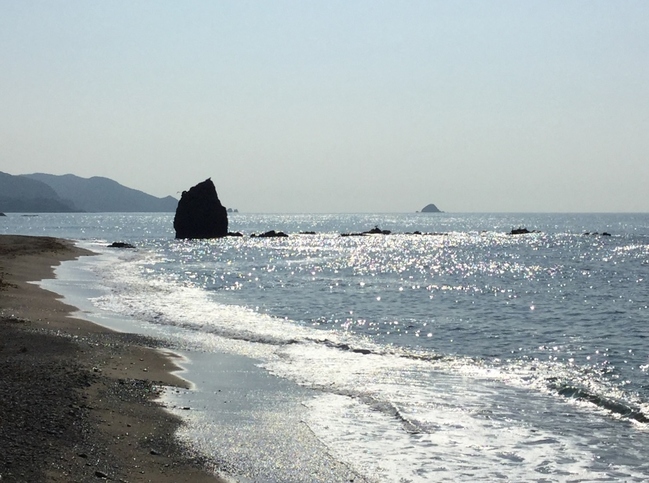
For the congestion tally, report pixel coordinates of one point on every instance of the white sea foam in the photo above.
(397, 420)
(458, 448)
(389, 416)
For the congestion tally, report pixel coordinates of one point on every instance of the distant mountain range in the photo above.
(48, 193)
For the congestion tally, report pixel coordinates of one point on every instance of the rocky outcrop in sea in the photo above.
(200, 213)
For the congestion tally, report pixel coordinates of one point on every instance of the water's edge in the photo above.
(233, 403)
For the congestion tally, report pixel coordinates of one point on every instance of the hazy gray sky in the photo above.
(336, 106)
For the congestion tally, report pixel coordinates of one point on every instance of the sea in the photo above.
(461, 354)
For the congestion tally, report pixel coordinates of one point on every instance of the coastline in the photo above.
(77, 400)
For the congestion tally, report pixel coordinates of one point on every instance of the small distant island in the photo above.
(431, 208)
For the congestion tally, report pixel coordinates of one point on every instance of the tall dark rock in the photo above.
(200, 214)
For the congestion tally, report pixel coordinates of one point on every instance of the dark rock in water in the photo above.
(2, 214)
(271, 234)
(431, 208)
(377, 231)
(374, 231)
(362, 351)
(307, 233)
(235, 233)
(200, 213)
(521, 231)
(120, 245)
(606, 234)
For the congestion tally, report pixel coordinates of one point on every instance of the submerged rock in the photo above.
(120, 245)
(200, 213)
(377, 231)
(270, 234)
(521, 231)
(374, 231)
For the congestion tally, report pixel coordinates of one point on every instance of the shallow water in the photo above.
(466, 355)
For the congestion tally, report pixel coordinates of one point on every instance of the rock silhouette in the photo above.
(270, 234)
(121, 245)
(521, 231)
(431, 208)
(200, 213)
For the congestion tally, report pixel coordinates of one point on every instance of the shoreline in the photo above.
(77, 400)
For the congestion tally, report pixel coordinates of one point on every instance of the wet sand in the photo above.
(77, 399)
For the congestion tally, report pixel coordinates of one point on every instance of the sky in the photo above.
(336, 106)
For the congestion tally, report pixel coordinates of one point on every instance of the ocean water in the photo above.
(464, 354)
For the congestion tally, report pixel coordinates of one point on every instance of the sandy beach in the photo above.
(77, 400)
